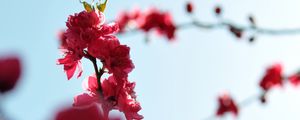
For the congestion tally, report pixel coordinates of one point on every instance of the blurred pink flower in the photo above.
(272, 77)
(226, 105)
(162, 22)
(125, 17)
(189, 7)
(10, 72)
(294, 79)
(91, 112)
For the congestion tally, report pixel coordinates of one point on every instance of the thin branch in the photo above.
(98, 73)
(225, 24)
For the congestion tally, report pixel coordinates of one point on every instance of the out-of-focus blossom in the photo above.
(226, 105)
(294, 79)
(152, 19)
(218, 10)
(159, 21)
(189, 7)
(10, 72)
(91, 112)
(126, 17)
(272, 77)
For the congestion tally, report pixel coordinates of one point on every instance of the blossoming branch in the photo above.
(88, 37)
(162, 22)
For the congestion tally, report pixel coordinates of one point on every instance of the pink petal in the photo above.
(79, 67)
(70, 70)
(85, 99)
(90, 83)
(110, 28)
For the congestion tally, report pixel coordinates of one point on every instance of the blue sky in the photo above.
(175, 81)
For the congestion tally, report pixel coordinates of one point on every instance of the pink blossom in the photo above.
(294, 79)
(162, 22)
(189, 7)
(125, 17)
(71, 62)
(115, 57)
(272, 77)
(116, 95)
(91, 112)
(10, 72)
(83, 28)
(226, 105)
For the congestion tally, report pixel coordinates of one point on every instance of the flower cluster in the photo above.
(88, 37)
(152, 19)
(274, 78)
(226, 105)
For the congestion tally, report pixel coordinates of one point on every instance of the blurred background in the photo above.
(175, 81)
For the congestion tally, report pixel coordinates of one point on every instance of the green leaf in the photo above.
(101, 6)
(88, 7)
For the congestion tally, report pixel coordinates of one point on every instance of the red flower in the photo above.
(114, 56)
(294, 79)
(85, 19)
(226, 105)
(83, 28)
(71, 62)
(162, 22)
(189, 7)
(125, 17)
(10, 72)
(127, 103)
(91, 112)
(272, 78)
(116, 95)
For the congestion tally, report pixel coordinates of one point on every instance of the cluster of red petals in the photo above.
(226, 105)
(126, 17)
(115, 57)
(152, 19)
(272, 78)
(88, 36)
(294, 79)
(86, 31)
(10, 72)
(117, 94)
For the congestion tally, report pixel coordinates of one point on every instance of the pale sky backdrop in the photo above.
(175, 81)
